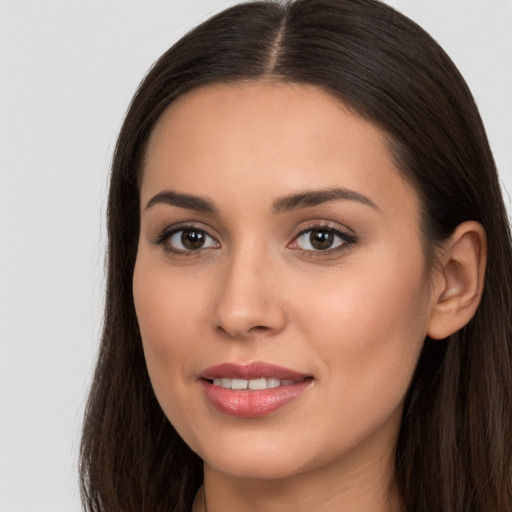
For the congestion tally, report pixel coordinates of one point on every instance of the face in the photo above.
(280, 285)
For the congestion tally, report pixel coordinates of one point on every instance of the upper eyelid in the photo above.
(327, 226)
(320, 227)
(183, 226)
(315, 225)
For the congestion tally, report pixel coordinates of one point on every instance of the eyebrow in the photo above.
(311, 198)
(306, 199)
(187, 201)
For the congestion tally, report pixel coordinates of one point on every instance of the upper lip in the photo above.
(255, 370)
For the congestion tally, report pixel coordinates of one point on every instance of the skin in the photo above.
(354, 319)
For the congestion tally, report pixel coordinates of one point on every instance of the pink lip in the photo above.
(255, 370)
(252, 403)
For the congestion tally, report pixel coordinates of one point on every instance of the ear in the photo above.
(458, 280)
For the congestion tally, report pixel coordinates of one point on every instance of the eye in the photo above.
(322, 239)
(186, 240)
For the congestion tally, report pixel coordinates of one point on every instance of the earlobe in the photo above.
(459, 280)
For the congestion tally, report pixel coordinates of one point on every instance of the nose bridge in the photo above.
(246, 301)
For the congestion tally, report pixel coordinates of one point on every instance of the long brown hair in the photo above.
(455, 444)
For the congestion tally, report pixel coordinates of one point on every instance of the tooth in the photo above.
(239, 384)
(254, 384)
(258, 383)
(273, 383)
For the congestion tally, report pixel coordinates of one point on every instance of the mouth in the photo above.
(252, 384)
(252, 390)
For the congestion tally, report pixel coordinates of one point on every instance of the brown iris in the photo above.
(321, 240)
(192, 239)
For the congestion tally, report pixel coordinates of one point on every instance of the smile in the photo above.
(252, 390)
(253, 384)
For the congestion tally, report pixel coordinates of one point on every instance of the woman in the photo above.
(308, 299)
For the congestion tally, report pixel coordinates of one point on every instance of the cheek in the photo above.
(171, 319)
(369, 328)
(168, 312)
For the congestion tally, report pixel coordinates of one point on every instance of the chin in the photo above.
(254, 465)
(258, 457)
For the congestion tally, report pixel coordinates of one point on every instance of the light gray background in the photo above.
(68, 69)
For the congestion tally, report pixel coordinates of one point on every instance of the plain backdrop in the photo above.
(68, 69)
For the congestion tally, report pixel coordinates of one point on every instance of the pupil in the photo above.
(192, 239)
(321, 239)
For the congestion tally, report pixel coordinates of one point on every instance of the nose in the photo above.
(248, 300)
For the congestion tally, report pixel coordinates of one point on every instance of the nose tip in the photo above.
(242, 327)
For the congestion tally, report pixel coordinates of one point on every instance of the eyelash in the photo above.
(347, 240)
(168, 232)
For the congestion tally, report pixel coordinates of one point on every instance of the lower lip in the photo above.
(252, 403)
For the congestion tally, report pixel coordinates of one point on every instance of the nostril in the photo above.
(259, 328)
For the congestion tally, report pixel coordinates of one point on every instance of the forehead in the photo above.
(262, 140)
